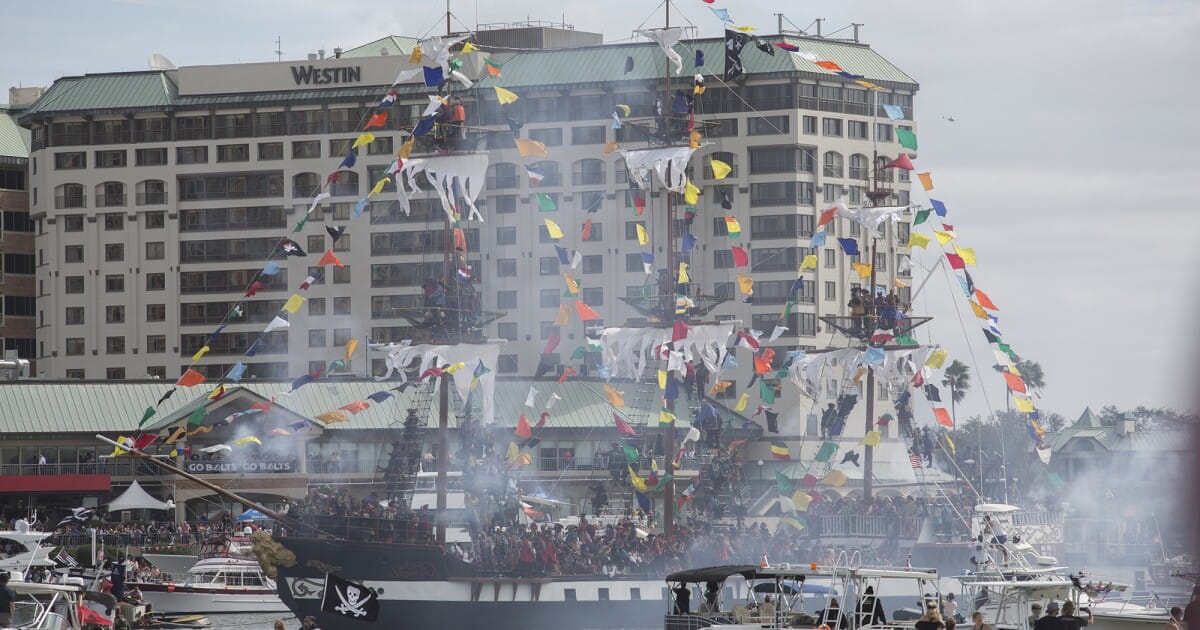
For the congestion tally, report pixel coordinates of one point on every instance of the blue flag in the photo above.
(849, 245)
(349, 160)
(423, 127)
(647, 258)
(689, 241)
(873, 356)
(672, 390)
(236, 372)
(938, 207)
(433, 76)
(818, 239)
(271, 269)
(699, 58)
(562, 255)
(722, 14)
(894, 112)
(301, 382)
(213, 337)
(359, 207)
(381, 396)
(644, 502)
(253, 349)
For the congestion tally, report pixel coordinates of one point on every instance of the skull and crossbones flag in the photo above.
(345, 598)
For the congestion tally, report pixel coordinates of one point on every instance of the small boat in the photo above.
(226, 579)
(22, 549)
(50, 606)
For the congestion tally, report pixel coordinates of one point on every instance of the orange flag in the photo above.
(524, 431)
(943, 417)
(190, 378)
(762, 364)
(1014, 382)
(585, 312)
(377, 120)
(330, 259)
(985, 301)
(356, 407)
(587, 230)
(567, 373)
(926, 181)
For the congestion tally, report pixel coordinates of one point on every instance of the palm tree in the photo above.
(1032, 374)
(958, 378)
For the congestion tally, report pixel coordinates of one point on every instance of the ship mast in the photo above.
(672, 270)
(876, 194)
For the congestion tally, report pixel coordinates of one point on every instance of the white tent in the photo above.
(135, 498)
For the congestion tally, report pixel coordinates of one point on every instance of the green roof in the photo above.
(14, 139)
(393, 44)
(108, 93)
(606, 63)
(117, 406)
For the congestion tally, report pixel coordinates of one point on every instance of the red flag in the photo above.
(956, 261)
(985, 301)
(762, 364)
(587, 230)
(330, 259)
(356, 406)
(523, 430)
(943, 417)
(551, 343)
(377, 120)
(263, 406)
(585, 312)
(1014, 382)
(460, 240)
(144, 440)
(830, 66)
(740, 257)
(639, 202)
(567, 372)
(433, 371)
(542, 420)
(255, 287)
(901, 162)
(190, 378)
(679, 331)
(623, 427)
(746, 339)
(827, 216)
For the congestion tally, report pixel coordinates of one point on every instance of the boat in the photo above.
(49, 606)
(226, 579)
(22, 549)
(741, 597)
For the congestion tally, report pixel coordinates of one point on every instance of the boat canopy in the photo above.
(714, 574)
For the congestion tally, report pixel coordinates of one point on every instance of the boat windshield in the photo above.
(42, 611)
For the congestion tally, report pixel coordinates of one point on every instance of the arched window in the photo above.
(723, 156)
(151, 192)
(502, 176)
(347, 184)
(858, 166)
(885, 174)
(70, 196)
(551, 171)
(587, 172)
(833, 164)
(110, 195)
(305, 185)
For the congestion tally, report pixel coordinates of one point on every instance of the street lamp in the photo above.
(760, 467)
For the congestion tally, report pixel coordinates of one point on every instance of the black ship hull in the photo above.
(419, 587)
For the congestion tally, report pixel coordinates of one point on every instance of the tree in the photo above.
(958, 378)
(1031, 373)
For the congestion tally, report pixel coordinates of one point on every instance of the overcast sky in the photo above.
(1066, 167)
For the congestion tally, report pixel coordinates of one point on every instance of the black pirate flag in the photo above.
(345, 598)
(734, 43)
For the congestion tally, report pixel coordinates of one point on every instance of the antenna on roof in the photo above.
(159, 62)
(278, 48)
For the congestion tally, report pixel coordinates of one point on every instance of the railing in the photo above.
(115, 467)
(1024, 519)
(865, 526)
(110, 201)
(70, 201)
(151, 198)
(135, 539)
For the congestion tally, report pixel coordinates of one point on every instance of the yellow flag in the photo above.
(662, 379)
(900, 284)
(858, 376)
(966, 253)
(643, 238)
(614, 397)
(871, 438)
(949, 443)
(835, 478)
(609, 147)
(943, 237)
(720, 169)
(524, 459)
(564, 315)
(415, 57)
(936, 358)
(378, 187)
(118, 451)
(332, 417)
(552, 227)
(979, 312)
(1024, 405)
(363, 138)
(469, 47)
(926, 181)
(639, 484)
(351, 346)
(745, 29)
(741, 403)
(720, 386)
(683, 274)
(513, 452)
(531, 148)
(863, 269)
(625, 109)
(406, 148)
(691, 194)
(453, 367)
(199, 353)
(694, 140)
(809, 262)
(917, 240)
(249, 439)
(504, 96)
(745, 284)
(868, 85)
(800, 500)
(293, 304)
(572, 285)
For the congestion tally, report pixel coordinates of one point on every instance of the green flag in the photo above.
(631, 454)
(300, 225)
(905, 340)
(545, 203)
(785, 484)
(766, 392)
(1007, 349)
(579, 353)
(787, 310)
(335, 364)
(907, 138)
(921, 216)
(826, 451)
(662, 481)
(197, 416)
(146, 416)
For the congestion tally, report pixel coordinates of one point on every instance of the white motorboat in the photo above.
(22, 549)
(46, 606)
(226, 579)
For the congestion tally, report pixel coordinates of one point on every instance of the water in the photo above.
(253, 621)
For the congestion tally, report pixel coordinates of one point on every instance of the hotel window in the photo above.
(831, 127)
(192, 128)
(549, 137)
(341, 336)
(381, 146)
(110, 159)
(308, 121)
(156, 281)
(883, 132)
(76, 374)
(151, 130)
(767, 125)
(507, 330)
(156, 250)
(810, 125)
(114, 314)
(156, 371)
(548, 298)
(588, 135)
(73, 223)
(73, 253)
(830, 291)
(508, 364)
(506, 299)
(74, 315)
(830, 259)
(548, 265)
(316, 307)
(506, 267)
(114, 252)
(75, 346)
(269, 124)
(70, 160)
(341, 275)
(191, 155)
(114, 283)
(270, 151)
(341, 305)
(115, 373)
(856, 130)
(593, 296)
(316, 339)
(114, 221)
(155, 220)
(339, 147)
(306, 149)
(151, 157)
(506, 236)
(503, 204)
(232, 126)
(73, 284)
(593, 264)
(233, 153)
(156, 312)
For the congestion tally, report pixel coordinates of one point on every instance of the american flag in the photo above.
(65, 558)
(915, 460)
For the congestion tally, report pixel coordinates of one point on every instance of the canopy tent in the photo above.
(135, 498)
(252, 515)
